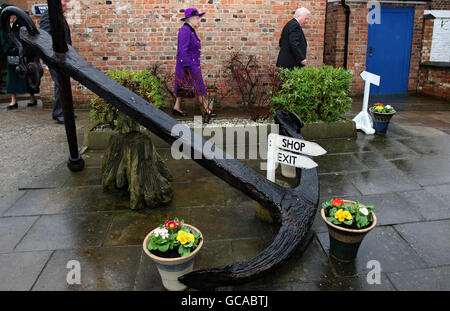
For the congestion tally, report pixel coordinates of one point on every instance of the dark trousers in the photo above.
(57, 105)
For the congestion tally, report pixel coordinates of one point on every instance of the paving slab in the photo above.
(53, 179)
(65, 231)
(357, 283)
(231, 222)
(12, 230)
(423, 131)
(430, 206)
(382, 244)
(381, 181)
(187, 170)
(100, 269)
(130, 228)
(373, 160)
(434, 279)
(392, 149)
(87, 177)
(337, 163)
(396, 131)
(442, 192)
(203, 192)
(391, 208)
(93, 159)
(215, 254)
(426, 170)
(336, 185)
(68, 200)
(19, 271)
(312, 265)
(147, 277)
(32, 144)
(346, 145)
(434, 145)
(233, 195)
(429, 240)
(8, 200)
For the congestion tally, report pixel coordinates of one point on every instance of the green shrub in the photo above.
(143, 83)
(313, 93)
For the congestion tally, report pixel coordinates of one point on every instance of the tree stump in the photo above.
(131, 163)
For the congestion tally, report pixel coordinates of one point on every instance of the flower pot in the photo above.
(288, 171)
(171, 268)
(381, 121)
(344, 243)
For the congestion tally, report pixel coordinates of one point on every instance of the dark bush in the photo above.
(313, 93)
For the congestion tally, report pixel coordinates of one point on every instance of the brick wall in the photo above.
(334, 36)
(136, 34)
(434, 81)
(19, 3)
(427, 39)
(358, 36)
(439, 5)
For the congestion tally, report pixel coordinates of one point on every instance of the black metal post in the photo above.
(347, 29)
(75, 163)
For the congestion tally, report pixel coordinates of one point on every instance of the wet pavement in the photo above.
(58, 216)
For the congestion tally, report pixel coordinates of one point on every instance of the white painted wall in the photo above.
(440, 45)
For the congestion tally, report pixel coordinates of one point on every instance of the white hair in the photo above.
(299, 12)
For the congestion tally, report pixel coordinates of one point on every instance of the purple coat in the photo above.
(188, 55)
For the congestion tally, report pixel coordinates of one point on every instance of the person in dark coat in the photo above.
(45, 25)
(15, 84)
(187, 70)
(293, 43)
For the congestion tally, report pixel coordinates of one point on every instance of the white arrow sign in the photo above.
(297, 145)
(293, 159)
(275, 155)
(363, 120)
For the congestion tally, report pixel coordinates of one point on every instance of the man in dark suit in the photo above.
(293, 43)
(45, 25)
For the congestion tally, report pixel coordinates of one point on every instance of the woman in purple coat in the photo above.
(187, 71)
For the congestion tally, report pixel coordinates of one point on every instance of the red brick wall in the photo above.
(334, 36)
(435, 82)
(358, 36)
(427, 39)
(19, 3)
(146, 32)
(440, 5)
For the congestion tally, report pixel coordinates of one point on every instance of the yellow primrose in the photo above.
(379, 107)
(184, 237)
(342, 215)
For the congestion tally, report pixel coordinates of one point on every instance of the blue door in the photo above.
(389, 49)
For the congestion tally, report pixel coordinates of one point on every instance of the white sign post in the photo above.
(363, 120)
(298, 146)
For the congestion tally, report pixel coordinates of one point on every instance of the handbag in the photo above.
(12, 60)
(185, 91)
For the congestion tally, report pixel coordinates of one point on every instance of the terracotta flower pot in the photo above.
(381, 121)
(172, 268)
(344, 243)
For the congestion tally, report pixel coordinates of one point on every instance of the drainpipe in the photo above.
(347, 27)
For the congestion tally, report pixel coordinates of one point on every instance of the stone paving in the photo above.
(59, 216)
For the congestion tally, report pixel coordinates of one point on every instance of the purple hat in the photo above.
(191, 12)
